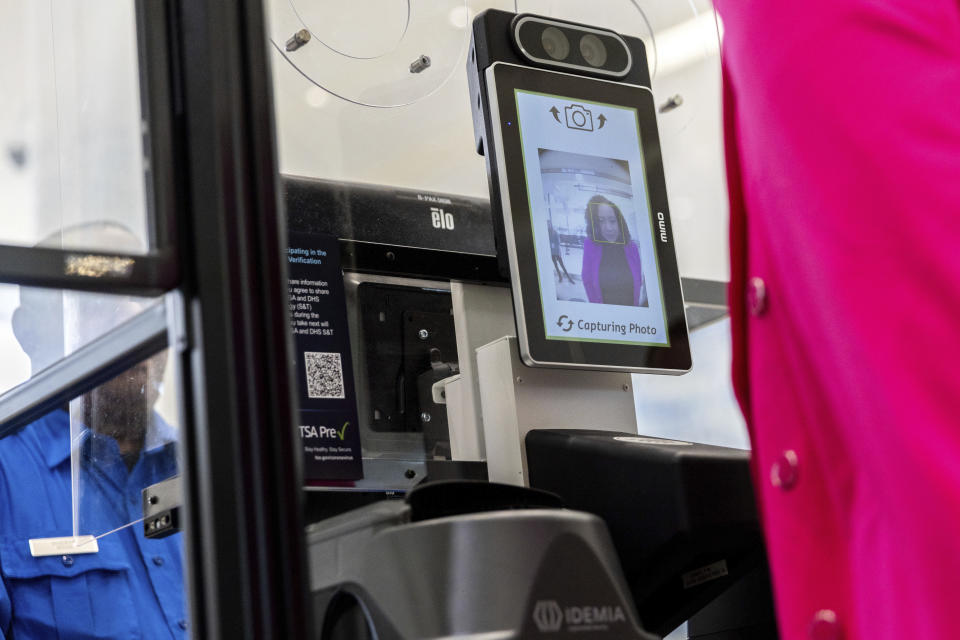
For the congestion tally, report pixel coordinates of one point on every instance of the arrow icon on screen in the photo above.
(556, 113)
(602, 119)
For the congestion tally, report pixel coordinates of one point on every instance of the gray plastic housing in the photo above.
(499, 575)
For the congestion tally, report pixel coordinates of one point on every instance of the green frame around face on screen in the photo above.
(646, 190)
(505, 83)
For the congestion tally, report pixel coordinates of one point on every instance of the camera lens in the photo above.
(555, 43)
(593, 50)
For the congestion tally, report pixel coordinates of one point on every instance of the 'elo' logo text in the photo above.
(441, 219)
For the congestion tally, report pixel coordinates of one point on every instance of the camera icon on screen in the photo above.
(578, 117)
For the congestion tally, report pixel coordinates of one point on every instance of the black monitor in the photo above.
(681, 515)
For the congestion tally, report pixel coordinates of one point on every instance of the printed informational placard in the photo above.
(318, 319)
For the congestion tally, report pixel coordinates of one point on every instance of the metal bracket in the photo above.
(161, 508)
(705, 301)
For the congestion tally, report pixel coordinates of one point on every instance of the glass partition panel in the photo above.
(699, 406)
(16, 361)
(77, 557)
(124, 440)
(358, 114)
(376, 147)
(39, 327)
(72, 131)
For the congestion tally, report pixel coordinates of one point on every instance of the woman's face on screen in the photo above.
(608, 223)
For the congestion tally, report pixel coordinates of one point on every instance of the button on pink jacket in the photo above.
(843, 157)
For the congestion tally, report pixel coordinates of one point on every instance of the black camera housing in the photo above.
(501, 36)
(529, 35)
(495, 38)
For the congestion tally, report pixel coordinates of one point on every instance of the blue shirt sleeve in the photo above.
(6, 609)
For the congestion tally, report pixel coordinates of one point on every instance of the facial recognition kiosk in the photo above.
(497, 484)
(571, 131)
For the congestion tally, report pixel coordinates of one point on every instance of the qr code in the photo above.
(324, 375)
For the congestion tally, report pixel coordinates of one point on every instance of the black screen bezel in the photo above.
(672, 358)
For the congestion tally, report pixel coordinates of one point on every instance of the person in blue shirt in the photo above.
(133, 586)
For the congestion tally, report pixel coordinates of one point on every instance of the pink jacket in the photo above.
(592, 253)
(843, 159)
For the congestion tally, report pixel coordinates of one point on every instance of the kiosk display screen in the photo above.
(592, 223)
(586, 225)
